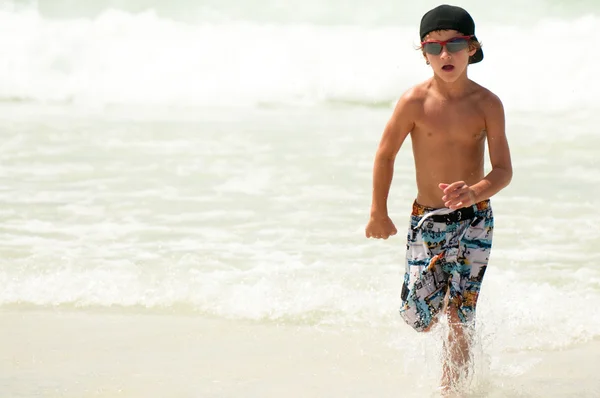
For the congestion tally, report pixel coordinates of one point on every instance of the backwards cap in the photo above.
(446, 17)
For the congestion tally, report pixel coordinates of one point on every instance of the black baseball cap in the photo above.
(447, 17)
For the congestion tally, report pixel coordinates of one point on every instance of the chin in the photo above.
(449, 77)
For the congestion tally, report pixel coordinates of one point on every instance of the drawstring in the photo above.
(443, 210)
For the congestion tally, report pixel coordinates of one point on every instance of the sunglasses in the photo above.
(454, 45)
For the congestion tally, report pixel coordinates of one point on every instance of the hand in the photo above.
(380, 227)
(457, 195)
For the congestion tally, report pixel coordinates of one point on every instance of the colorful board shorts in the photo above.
(447, 252)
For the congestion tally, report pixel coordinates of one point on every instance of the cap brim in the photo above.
(478, 56)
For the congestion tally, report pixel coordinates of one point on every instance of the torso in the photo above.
(448, 141)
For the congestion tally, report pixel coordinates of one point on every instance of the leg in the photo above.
(425, 283)
(472, 260)
(456, 351)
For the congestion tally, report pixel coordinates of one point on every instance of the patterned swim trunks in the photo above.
(447, 252)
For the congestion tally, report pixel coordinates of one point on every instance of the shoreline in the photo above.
(80, 354)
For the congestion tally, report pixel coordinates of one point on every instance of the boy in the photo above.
(448, 118)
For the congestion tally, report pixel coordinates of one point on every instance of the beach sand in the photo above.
(80, 354)
(75, 354)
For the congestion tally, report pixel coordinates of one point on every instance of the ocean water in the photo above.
(214, 160)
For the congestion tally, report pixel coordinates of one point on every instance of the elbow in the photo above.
(502, 175)
(508, 174)
(383, 157)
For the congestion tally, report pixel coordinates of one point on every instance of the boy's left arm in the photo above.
(501, 173)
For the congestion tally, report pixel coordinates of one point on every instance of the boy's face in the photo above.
(448, 65)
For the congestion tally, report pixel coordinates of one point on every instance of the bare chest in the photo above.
(460, 123)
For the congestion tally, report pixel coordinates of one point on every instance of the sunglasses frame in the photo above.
(444, 44)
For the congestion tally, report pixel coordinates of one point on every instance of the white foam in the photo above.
(515, 312)
(123, 58)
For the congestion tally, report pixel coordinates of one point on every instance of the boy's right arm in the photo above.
(398, 127)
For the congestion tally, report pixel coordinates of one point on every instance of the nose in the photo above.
(445, 54)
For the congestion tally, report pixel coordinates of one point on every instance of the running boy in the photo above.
(449, 117)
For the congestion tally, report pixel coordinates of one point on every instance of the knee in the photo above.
(459, 327)
(418, 323)
(452, 313)
(432, 322)
(455, 322)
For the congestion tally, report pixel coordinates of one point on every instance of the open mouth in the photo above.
(448, 68)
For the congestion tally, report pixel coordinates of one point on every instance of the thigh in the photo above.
(475, 246)
(424, 284)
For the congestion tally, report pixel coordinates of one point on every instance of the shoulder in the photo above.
(412, 99)
(417, 94)
(408, 109)
(489, 102)
(492, 109)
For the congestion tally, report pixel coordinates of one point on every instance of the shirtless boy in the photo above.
(449, 117)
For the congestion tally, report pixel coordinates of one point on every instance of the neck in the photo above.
(453, 89)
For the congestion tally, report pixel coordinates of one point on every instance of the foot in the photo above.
(448, 392)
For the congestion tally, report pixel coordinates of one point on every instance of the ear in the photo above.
(472, 48)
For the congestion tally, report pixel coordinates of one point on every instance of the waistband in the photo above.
(420, 210)
(446, 215)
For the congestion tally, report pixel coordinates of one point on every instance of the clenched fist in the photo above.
(380, 227)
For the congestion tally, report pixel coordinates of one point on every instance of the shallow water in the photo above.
(146, 168)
